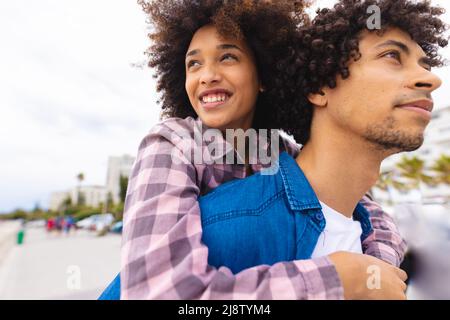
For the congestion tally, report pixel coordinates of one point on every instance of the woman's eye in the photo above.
(192, 63)
(228, 56)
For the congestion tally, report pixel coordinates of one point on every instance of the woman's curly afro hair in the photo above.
(268, 27)
(326, 48)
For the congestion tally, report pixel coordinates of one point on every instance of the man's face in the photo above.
(387, 98)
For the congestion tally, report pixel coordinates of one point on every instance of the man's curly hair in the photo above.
(332, 41)
(268, 27)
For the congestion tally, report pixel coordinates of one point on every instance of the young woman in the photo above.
(222, 65)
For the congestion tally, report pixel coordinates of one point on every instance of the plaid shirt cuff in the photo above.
(383, 252)
(322, 282)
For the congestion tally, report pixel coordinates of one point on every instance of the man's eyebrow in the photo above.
(424, 60)
(220, 47)
(398, 44)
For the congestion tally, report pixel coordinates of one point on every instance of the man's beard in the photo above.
(386, 138)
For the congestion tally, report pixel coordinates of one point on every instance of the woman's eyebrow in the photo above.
(192, 53)
(228, 46)
(225, 46)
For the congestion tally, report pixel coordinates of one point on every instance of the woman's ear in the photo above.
(318, 99)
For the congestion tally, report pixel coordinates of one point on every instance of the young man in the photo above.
(368, 97)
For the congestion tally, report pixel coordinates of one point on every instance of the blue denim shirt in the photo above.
(263, 219)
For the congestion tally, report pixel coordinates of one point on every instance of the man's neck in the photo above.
(340, 169)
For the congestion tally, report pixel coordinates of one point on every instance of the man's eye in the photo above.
(393, 54)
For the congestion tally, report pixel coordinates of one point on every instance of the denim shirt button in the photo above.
(319, 216)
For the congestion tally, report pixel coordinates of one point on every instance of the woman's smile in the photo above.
(211, 102)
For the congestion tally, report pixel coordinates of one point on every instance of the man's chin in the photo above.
(396, 142)
(409, 148)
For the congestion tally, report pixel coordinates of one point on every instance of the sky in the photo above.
(70, 96)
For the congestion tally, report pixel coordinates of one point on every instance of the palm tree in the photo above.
(387, 181)
(80, 198)
(442, 169)
(109, 203)
(384, 183)
(413, 171)
(80, 177)
(123, 181)
(66, 204)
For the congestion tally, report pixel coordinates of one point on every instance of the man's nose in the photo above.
(425, 80)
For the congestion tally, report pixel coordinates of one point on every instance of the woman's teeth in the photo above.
(214, 98)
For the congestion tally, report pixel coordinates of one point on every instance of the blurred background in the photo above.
(77, 97)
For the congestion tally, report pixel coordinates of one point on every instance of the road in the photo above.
(51, 266)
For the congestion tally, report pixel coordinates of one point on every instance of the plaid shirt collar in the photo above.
(219, 147)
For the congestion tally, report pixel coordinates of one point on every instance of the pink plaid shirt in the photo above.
(163, 256)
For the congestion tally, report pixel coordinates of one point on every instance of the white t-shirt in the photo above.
(340, 234)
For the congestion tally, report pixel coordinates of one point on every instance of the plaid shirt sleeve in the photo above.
(163, 256)
(385, 242)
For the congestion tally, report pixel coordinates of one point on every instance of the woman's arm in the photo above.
(163, 256)
(385, 242)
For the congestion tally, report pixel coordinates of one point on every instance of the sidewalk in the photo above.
(51, 266)
(8, 237)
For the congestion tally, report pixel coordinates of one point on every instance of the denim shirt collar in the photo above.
(301, 195)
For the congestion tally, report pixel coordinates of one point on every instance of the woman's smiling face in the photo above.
(221, 80)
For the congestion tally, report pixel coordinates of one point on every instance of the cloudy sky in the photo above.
(69, 96)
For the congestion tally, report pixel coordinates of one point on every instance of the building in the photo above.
(92, 196)
(57, 199)
(436, 143)
(117, 166)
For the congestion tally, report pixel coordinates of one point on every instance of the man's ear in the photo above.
(318, 99)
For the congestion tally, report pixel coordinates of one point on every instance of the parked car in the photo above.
(96, 222)
(36, 224)
(85, 223)
(102, 222)
(117, 227)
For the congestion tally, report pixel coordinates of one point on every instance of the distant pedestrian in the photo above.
(68, 224)
(50, 224)
(59, 224)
